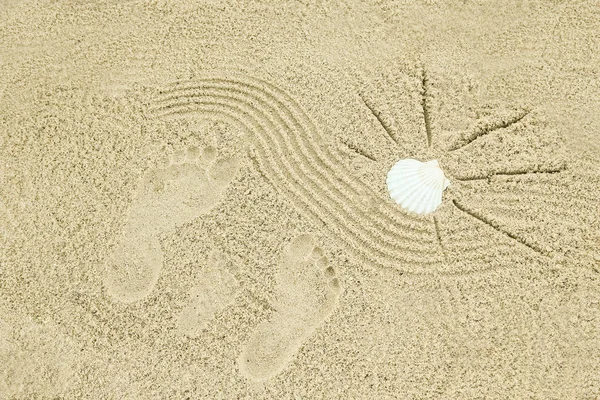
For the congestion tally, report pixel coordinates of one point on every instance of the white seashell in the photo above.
(417, 186)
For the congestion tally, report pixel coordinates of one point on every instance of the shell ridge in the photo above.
(417, 186)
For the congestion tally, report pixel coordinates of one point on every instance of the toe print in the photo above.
(308, 292)
(190, 185)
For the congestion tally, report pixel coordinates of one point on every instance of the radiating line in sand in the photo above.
(165, 199)
(486, 129)
(497, 227)
(292, 154)
(215, 291)
(307, 293)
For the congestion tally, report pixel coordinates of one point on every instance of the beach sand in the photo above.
(193, 200)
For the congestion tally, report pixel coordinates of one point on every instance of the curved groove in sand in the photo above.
(282, 105)
(309, 167)
(222, 113)
(295, 161)
(280, 110)
(304, 173)
(314, 210)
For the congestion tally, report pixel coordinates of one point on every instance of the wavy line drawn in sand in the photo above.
(215, 291)
(166, 198)
(292, 154)
(307, 293)
(508, 139)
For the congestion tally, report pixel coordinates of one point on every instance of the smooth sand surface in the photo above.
(193, 200)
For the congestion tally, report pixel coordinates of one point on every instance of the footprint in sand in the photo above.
(308, 291)
(166, 198)
(215, 291)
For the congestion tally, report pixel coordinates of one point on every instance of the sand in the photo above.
(193, 200)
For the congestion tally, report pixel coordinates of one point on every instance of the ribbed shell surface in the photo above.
(417, 186)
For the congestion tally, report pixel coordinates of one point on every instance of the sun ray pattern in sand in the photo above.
(292, 154)
(512, 134)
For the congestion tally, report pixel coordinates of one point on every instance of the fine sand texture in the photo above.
(193, 201)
